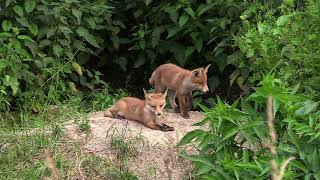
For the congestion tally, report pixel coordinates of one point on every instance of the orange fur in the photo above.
(181, 83)
(145, 112)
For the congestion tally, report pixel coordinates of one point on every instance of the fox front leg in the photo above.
(189, 101)
(156, 126)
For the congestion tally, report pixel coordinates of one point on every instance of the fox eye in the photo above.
(153, 106)
(161, 105)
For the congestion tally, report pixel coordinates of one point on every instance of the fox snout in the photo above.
(205, 89)
(159, 113)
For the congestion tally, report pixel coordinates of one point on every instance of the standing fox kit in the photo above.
(145, 112)
(181, 83)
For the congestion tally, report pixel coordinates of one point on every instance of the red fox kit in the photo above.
(145, 112)
(181, 83)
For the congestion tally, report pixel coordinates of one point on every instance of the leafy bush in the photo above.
(285, 40)
(44, 47)
(234, 145)
(63, 42)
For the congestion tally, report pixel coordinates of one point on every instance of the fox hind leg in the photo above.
(182, 104)
(172, 100)
(109, 112)
(113, 112)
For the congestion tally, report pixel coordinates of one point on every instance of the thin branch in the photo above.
(272, 131)
(277, 173)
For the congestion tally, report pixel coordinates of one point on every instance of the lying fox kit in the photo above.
(145, 112)
(181, 83)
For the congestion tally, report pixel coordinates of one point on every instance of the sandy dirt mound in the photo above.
(156, 159)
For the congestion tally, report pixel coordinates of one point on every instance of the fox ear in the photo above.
(145, 93)
(206, 69)
(165, 93)
(196, 73)
(146, 96)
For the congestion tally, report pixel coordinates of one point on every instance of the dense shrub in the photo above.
(284, 40)
(61, 43)
(44, 45)
(234, 145)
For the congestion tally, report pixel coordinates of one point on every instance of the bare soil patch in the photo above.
(157, 157)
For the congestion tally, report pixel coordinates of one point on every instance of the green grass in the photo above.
(22, 157)
(22, 153)
(126, 147)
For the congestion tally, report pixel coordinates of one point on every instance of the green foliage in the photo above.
(105, 98)
(283, 39)
(233, 145)
(44, 46)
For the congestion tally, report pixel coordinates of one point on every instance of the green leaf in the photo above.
(66, 30)
(287, 148)
(156, 34)
(29, 5)
(44, 43)
(57, 50)
(308, 107)
(314, 137)
(12, 82)
(202, 122)
(282, 20)
(196, 158)
(190, 12)
(6, 25)
(24, 37)
(205, 161)
(276, 105)
(23, 21)
(18, 10)
(172, 11)
(77, 14)
(183, 20)
(203, 169)
(33, 28)
(206, 139)
(148, 2)
(261, 28)
(231, 132)
(190, 136)
(204, 8)
(83, 32)
(5, 34)
(172, 31)
(198, 43)
(189, 51)
(91, 22)
(32, 45)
